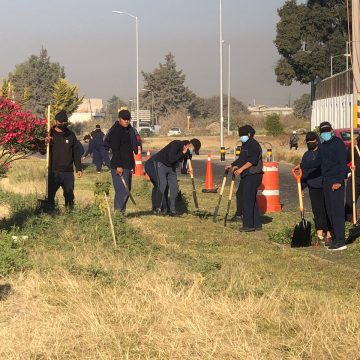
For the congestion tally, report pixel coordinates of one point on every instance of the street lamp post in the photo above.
(137, 62)
(221, 89)
(229, 91)
(335, 56)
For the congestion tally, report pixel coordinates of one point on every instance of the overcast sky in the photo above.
(97, 48)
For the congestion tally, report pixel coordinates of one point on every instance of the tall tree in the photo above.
(302, 107)
(65, 97)
(307, 35)
(167, 84)
(36, 78)
(113, 106)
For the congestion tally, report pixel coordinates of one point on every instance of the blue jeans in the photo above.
(121, 195)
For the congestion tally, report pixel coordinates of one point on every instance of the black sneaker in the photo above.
(337, 247)
(174, 214)
(247, 229)
(236, 218)
(328, 242)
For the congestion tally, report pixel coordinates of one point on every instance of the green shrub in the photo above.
(13, 256)
(273, 125)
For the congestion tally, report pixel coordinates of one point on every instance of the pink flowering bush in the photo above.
(21, 134)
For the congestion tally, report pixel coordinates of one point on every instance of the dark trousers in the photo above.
(121, 195)
(100, 157)
(348, 205)
(318, 208)
(164, 179)
(151, 169)
(250, 209)
(66, 181)
(239, 196)
(334, 202)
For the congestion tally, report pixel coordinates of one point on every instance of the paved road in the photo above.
(288, 189)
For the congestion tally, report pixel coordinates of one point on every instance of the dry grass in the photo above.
(201, 292)
(61, 316)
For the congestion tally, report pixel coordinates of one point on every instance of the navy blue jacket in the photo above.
(250, 152)
(311, 169)
(123, 144)
(333, 160)
(172, 153)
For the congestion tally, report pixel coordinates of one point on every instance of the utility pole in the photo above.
(229, 91)
(222, 147)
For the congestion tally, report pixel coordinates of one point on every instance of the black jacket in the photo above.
(333, 160)
(172, 153)
(122, 142)
(97, 138)
(250, 152)
(64, 151)
(311, 170)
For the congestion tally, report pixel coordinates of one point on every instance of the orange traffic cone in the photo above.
(139, 169)
(148, 155)
(209, 180)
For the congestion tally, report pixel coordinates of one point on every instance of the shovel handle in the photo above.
(297, 173)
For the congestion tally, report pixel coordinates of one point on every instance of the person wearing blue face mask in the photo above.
(334, 171)
(249, 167)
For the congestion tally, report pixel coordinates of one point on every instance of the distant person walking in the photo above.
(121, 138)
(294, 141)
(97, 149)
(64, 155)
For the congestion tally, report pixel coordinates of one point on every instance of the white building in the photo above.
(87, 110)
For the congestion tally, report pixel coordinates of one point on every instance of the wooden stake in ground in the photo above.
(110, 219)
(232, 184)
(191, 170)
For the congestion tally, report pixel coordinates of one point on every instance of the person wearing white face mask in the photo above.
(334, 171)
(249, 167)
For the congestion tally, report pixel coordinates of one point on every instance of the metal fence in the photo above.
(338, 85)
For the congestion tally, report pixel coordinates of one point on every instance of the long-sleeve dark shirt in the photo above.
(333, 160)
(250, 152)
(311, 169)
(64, 151)
(119, 139)
(172, 153)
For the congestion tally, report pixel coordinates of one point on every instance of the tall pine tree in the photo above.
(34, 80)
(167, 85)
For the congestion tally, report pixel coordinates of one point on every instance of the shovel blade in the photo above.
(302, 235)
(354, 233)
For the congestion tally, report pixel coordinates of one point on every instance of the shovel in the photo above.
(220, 196)
(230, 198)
(127, 190)
(45, 204)
(193, 185)
(302, 232)
(354, 233)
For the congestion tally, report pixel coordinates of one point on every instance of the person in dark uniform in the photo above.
(313, 180)
(334, 171)
(121, 139)
(249, 167)
(97, 149)
(64, 154)
(294, 141)
(349, 197)
(161, 168)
